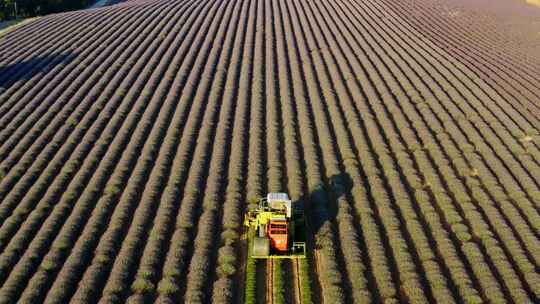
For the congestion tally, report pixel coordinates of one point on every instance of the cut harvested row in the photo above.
(269, 299)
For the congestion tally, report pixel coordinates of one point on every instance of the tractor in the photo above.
(276, 228)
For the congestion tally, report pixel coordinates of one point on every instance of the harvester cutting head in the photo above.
(276, 228)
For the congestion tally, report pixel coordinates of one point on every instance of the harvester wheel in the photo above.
(261, 246)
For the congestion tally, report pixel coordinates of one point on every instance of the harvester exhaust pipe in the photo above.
(262, 231)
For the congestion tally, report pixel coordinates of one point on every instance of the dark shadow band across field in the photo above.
(26, 69)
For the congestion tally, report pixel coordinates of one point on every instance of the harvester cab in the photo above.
(276, 228)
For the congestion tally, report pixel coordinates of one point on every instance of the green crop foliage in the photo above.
(305, 282)
(278, 283)
(250, 290)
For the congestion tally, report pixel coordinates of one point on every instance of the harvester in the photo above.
(276, 228)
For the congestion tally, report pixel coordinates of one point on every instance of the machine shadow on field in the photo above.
(321, 211)
(337, 186)
(28, 68)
